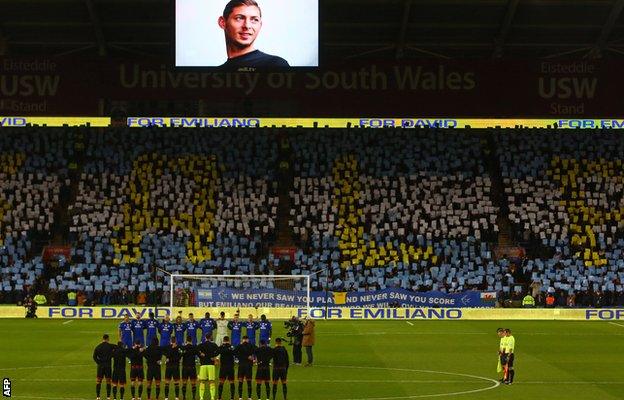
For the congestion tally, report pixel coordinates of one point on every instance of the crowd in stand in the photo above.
(400, 209)
(34, 176)
(369, 209)
(565, 195)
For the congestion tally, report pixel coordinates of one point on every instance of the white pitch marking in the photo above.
(68, 322)
(50, 398)
(409, 323)
(372, 381)
(45, 366)
(420, 396)
(398, 333)
(615, 323)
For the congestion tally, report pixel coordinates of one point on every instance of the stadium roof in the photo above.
(351, 29)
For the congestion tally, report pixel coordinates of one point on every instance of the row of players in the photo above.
(131, 331)
(209, 355)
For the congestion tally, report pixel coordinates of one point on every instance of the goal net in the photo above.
(253, 292)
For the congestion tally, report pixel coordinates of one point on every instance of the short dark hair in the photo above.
(105, 337)
(232, 4)
(278, 340)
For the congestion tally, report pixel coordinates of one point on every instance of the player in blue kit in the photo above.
(179, 328)
(138, 326)
(236, 326)
(125, 332)
(266, 329)
(192, 325)
(151, 326)
(207, 325)
(251, 326)
(166, 330)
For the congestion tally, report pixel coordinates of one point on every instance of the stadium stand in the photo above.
(366, 209)
(564, 192)
(33, 179)
(194, 202)
(394, 208)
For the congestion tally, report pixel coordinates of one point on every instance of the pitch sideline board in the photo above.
(451, 314)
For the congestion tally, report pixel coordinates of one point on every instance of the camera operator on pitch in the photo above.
(294, 328)
(31, 307)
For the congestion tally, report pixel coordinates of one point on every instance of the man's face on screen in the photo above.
(242, 26)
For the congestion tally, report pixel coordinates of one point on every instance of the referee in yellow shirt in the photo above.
(510, 344)
(501, 351)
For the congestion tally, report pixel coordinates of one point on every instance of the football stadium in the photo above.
(311, 200)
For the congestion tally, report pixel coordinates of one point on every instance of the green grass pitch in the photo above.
(51, 359)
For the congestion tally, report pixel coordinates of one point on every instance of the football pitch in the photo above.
(52, 359)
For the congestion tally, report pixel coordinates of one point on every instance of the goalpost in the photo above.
(239, 291)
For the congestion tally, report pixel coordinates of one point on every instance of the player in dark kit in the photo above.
(208, 352)
(153, 355)
(172, 368)
(119, 369)
(102, 355)
(245, 354)
(263, 355)
(136, 369)
(280, 367)
(189, 371)
(226, 368)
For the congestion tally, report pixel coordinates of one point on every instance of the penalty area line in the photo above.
(68, 322)
(409, 323)
(615, 323)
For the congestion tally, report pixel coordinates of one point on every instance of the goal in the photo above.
(240, 291)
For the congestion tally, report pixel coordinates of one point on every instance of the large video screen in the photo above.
(247, 35)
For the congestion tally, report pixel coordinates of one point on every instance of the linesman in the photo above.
(510, 345)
